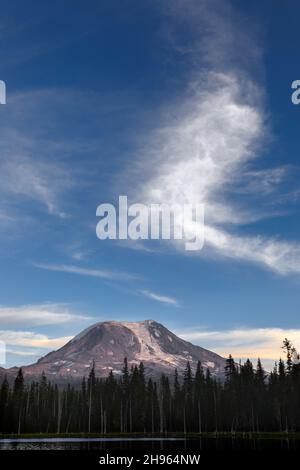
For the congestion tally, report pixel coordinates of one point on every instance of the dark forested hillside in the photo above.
(248, 400)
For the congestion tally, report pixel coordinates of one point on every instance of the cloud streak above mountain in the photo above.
(208, 142)
(101, 273)
(39, 315)
(32, 340)
(160, 298)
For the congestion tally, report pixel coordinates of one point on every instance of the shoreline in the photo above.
(154, 436)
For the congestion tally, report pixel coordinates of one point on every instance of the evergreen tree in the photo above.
(4, 400)
(18, 400)
(249, 400)
(230, 369)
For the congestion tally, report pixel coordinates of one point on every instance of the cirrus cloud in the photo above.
(32, 339)
(101, 273)
(243, 343)
(39, 315)
(160, 298)
(210, 140)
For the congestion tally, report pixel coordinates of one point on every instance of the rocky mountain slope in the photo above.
(107, 343)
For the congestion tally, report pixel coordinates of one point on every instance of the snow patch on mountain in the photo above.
(106, 344)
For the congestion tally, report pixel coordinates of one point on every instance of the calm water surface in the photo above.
(149, 444)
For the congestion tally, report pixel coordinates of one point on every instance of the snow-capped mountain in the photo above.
(107, 343)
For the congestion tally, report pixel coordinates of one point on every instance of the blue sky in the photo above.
(164, 102)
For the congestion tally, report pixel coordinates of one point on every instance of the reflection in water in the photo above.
(149, 444)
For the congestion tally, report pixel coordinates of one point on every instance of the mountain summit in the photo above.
(107, 343)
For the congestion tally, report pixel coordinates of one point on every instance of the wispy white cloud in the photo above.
(243, 343)
(263, 181)
(101, 273)
(208, 141)
(21, 353)
(78, 255)
(36, 171)
(38, 315)
(31, 339)
(39, 181)
(160, 298)
(31, 166)
(5, 217)
(217, 34)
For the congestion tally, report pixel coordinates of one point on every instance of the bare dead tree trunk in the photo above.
(161, 416)
(19, 422)
(130, 417)
(59, 412)
(121, 417)
(104, 421)
(215, 407)
(90, 409)
(101, 417)
(152, 417)
(199, 417)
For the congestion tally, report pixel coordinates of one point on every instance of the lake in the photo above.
(151, 444)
